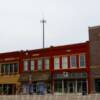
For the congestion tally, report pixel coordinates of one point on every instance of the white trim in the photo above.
(58, 63)
(39, 65)
(73, 67)
(64, 63)
(32, 65)
(25, 65)
(45, 63)
(84, 60)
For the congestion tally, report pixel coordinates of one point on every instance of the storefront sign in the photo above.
(69, 75)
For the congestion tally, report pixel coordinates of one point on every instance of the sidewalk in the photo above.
(51, 97)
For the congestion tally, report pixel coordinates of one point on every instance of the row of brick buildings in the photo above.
(71, 68)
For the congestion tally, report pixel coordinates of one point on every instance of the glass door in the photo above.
(58, 86)
(71, 86)
(97, 85)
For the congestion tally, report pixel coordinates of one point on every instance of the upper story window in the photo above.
(64, 62)
(56, 62)
(9, 68)
(15, 67)
(32, 65)
(73, 61)
(82, 60)
(25, 67)
(39, 64)
(2, 68)
(46, 63)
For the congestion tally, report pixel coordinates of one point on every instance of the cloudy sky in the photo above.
(67, 22)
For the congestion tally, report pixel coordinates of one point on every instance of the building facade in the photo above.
(94, 38)
(62, 69)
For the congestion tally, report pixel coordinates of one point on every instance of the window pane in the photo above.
(73, 61)
(56, 63)
(64, 62)
(2, 68)
(15, 67)
(47, 63)
(11, 68)
(40, 64)
(58, 86)
(82, 60)
(6, 68)
(32, 65)
(25, 65)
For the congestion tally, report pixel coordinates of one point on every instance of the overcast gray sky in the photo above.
(67, 22)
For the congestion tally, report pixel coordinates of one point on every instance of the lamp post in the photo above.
(43, 21)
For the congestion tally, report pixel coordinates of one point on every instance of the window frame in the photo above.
(14, 67)
(84, 60)
(65, 63)
(10, 68)
(75, 61)
(38, 65)
(31, 64)
(45, 64)
(55, 66)
(24, 69)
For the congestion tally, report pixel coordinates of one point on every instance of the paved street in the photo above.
(51, 97)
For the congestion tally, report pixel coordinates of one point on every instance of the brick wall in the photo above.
(94, 37)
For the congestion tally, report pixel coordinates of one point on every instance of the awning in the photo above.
(35, 76)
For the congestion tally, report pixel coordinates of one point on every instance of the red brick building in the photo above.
(60, 69)
(94, 38)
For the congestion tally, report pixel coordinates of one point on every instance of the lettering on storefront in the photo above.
(69, 75)
(9, 59)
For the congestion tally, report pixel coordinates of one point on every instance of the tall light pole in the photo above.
(43, 21)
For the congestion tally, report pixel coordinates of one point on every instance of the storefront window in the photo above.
(58, 86)
(70, 86)
(56, 62)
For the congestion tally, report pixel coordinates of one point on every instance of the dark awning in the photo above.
(35, 76)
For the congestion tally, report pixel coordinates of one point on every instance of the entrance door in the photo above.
(97, 85)
(40, 87)
(34, 87)
(71, 86)
(58, 86)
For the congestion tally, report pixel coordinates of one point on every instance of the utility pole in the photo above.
(43, 21)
